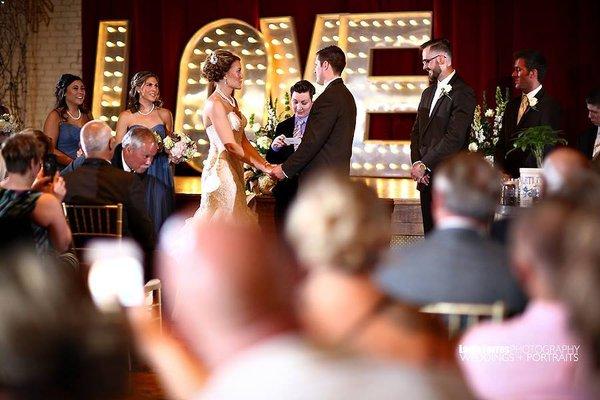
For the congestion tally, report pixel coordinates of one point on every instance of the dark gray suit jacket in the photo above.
(451, 265)
(327, 140)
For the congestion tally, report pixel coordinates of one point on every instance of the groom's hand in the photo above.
(277, 172)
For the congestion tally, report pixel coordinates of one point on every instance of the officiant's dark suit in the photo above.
(545, 112)
(445, 132)
(586, 141)
(285, 190)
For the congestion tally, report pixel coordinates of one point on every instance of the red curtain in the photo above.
(484, 35)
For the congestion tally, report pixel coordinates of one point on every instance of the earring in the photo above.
(226, 84)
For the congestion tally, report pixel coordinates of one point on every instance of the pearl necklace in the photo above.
(228, 99)
(72, 117)
(148, 113)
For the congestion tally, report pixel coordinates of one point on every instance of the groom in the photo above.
(327, 140)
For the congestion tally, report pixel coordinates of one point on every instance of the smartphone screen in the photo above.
(116, 274)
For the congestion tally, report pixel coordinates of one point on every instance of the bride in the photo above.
(223, 189)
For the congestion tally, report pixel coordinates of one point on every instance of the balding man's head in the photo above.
(226, 282)
(561, 166)
(139, 148)
(97, 140)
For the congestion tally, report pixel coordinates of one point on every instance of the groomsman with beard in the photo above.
(327, 140)
(532, 108)
(289, 136)
(443, 120)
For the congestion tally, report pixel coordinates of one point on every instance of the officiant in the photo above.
(289, 134)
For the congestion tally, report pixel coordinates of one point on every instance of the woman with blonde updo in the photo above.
(339, 229)
(223, 191)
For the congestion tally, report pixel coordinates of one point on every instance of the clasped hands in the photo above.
(419, 173)
(274, 171)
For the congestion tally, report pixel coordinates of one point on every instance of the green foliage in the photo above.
(535, 139)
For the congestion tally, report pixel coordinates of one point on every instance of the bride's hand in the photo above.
(267, 168)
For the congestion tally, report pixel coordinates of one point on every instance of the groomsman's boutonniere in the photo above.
(446, 90)
(532, 102)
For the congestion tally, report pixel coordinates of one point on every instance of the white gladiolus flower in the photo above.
(489, 112)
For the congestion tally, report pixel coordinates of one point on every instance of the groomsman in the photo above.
(443, 120)
(532, 108)
(327, 140)
(289, 136)
(589, 141)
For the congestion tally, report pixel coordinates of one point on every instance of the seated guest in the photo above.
(97, 182)
(580, 288)
(458, 262)
(301, 93)
(137, 150)
(247, 334)
(522, 372)
(561, 166)
(64, 122)
(25, 211)
(340, 246)
(589, 141)
(54, 342)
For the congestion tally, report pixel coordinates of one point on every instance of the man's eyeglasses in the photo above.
(428, 60)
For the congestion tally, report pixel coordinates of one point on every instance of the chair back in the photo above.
(93, 221)
(460, 316)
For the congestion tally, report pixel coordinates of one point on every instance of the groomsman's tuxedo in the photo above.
(285, 190)
(587, 140)
(545, 112)
(440, 133)
(327, 140)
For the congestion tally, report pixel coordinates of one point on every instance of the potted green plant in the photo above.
(534, 139)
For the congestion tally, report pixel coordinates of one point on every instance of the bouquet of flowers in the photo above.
(487, 122)
(258, 182)
(178, 146)
(8, 124)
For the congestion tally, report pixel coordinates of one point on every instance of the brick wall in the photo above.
(54, 50)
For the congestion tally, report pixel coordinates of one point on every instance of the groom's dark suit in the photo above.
(327, 140)
(445, 132)
(285, 190)
(545, 112)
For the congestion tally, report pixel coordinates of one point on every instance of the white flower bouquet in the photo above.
(487, 122)
(179, 147)
(8, 124)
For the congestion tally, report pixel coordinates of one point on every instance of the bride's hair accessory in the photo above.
(213, 58)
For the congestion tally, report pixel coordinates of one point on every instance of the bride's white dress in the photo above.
(223, 189)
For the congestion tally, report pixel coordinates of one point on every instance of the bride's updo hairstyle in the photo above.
(216, 66)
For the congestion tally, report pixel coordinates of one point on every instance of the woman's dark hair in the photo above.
(19, 150)
(60, 92)
(216, 66)
(54, 343)
(133, 104)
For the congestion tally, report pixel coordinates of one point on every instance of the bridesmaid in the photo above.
(66, 119)
(144, 109)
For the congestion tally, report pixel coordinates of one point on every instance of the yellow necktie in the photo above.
(523, 107)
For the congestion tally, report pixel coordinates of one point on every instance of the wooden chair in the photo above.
(456, 313)
(93, 221)
(153, 300)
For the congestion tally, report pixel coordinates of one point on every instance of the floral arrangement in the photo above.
(178, 146)
(258, 182)
(8, 124)
(487, 122)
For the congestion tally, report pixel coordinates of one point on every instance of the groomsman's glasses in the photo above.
(428, 60)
